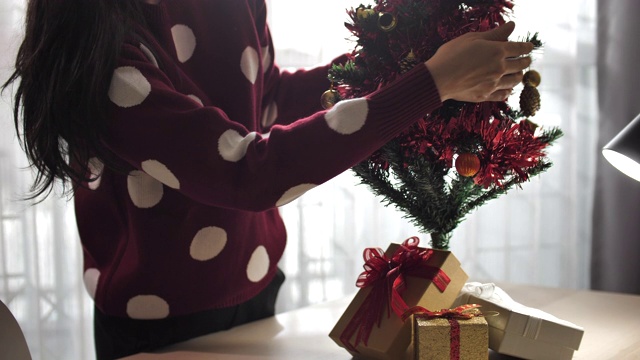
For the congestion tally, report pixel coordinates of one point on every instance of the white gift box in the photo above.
(518, 330)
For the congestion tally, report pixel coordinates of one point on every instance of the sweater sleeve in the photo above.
(215, 160)
(289, 93)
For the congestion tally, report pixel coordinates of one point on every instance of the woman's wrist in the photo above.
(439, 78)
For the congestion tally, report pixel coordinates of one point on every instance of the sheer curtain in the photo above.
(537, 235)
(40, 258)
(615, 221)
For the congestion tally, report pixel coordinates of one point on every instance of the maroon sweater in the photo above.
(217, 137)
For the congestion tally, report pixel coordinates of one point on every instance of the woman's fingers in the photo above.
(499, 95)
(501, 33)
(517, 64)
(480, 66)
(509, 81)
(516, 49)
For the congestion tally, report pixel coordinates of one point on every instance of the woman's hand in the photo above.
(480, 66)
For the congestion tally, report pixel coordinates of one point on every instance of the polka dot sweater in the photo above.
(217, 137)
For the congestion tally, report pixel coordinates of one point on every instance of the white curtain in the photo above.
(40, 257)
(537, 235)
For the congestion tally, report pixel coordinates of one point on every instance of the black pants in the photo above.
(117, 337)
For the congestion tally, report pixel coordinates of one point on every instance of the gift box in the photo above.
(451, 334)
(521, 331)
(402, 277)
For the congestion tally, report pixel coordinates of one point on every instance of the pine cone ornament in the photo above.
(530, 96)
(529, 101)
(408, 63)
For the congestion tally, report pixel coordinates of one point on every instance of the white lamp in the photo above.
(623, 151)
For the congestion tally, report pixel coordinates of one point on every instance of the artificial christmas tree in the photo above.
(460, 156)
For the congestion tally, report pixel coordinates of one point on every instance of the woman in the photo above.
(179, 137)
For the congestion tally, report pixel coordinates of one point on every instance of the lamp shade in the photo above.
(623, 151)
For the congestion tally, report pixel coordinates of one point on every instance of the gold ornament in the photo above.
(532, 78)
(408, 62)
(363, 13)
(467, 164)
(387, 22)
(530, 96)
(329, 98)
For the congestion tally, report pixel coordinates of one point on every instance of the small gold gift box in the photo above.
(450, 338)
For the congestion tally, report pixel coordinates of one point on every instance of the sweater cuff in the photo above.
(404, 101)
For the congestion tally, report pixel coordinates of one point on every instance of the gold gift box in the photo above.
(432, 338)
(391, 340)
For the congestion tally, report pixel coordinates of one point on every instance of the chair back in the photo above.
(13, 345)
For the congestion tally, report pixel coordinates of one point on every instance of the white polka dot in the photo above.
(208, 243)
(348, 116)
(185, 42)
(91, 277)
(266, 59)
(258, 264)
(269, 115)
(294, 193)
(147, 307)
(160, 172)
(145, 192)
(145, 50)
(196, 99)
(128, 87)
(232, 146)
(250, 63)
(95, 167)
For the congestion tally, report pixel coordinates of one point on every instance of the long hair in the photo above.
(63, 71)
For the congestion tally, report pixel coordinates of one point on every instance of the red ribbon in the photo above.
(454, 342)
(386, 278)
(453, 315)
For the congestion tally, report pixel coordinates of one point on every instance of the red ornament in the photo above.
(467, 164)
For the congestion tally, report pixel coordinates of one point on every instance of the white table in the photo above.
(611, 322)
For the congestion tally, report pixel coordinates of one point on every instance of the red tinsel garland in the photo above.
(504, 146)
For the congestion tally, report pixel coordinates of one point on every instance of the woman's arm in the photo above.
(213, 159)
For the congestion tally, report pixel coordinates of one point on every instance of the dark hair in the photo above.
(64, 67)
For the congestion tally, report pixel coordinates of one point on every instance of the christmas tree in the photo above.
(460, 156)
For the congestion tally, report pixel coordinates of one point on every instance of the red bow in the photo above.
(461, 312)
(386, 277)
